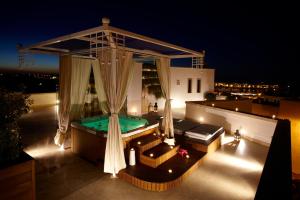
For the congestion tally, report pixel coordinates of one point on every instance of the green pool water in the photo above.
(101, 123)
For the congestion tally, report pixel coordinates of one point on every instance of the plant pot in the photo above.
(17, 178)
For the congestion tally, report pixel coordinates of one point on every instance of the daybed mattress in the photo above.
(204, 131)
(181, 126)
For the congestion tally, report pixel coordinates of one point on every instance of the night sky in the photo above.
(249, 42)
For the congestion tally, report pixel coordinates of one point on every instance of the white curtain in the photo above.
(116, 70)
(74, 79)
(65, 67)
(99, 87)
(163, 70)
(81, 70)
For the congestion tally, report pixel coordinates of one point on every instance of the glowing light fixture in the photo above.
(171, 147)
(170, 171)
(163, 134)
(138, 142)
(273, 116)
(61, 148)
(151, 155)
(212, 104)
(201, 119)
(236, 109)
(187, 156)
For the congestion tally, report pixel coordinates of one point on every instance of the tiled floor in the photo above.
(233, 172)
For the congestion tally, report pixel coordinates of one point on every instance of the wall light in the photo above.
(273, 116)
(236, 109)
(201, 119)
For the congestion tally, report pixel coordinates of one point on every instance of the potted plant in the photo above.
(16, 167)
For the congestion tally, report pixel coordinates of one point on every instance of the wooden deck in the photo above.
(159, 167)
(160, 179)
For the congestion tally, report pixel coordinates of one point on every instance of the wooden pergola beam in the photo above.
(136, 51)
(65, 37)
(55, 49)
(183, 56)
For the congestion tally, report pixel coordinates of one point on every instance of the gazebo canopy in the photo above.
(89, 42)
(107, 45)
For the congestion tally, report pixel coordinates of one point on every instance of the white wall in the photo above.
(251, 126)
(43, 99)
(134, 94)
(179, 93)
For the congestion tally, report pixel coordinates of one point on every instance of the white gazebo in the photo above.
(110, 52)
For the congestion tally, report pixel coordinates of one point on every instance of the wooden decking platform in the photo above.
(160, 179)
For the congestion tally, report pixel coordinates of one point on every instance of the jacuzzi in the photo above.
(88, 136)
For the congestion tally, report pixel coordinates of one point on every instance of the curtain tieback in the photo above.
(62, 130)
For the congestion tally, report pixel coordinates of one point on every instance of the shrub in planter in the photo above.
(12, 106)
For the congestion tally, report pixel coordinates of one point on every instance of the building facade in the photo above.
(187, 84)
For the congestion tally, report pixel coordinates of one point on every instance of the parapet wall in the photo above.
(43, 99)
(254, 127)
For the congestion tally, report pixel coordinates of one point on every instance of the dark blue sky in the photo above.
(250, 41)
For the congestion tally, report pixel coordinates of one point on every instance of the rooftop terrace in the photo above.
(232, 172)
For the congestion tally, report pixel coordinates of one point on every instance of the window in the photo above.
(189, 85)
(198, 85)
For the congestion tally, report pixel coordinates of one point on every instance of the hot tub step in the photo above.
(158, 155)
(146, 142)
